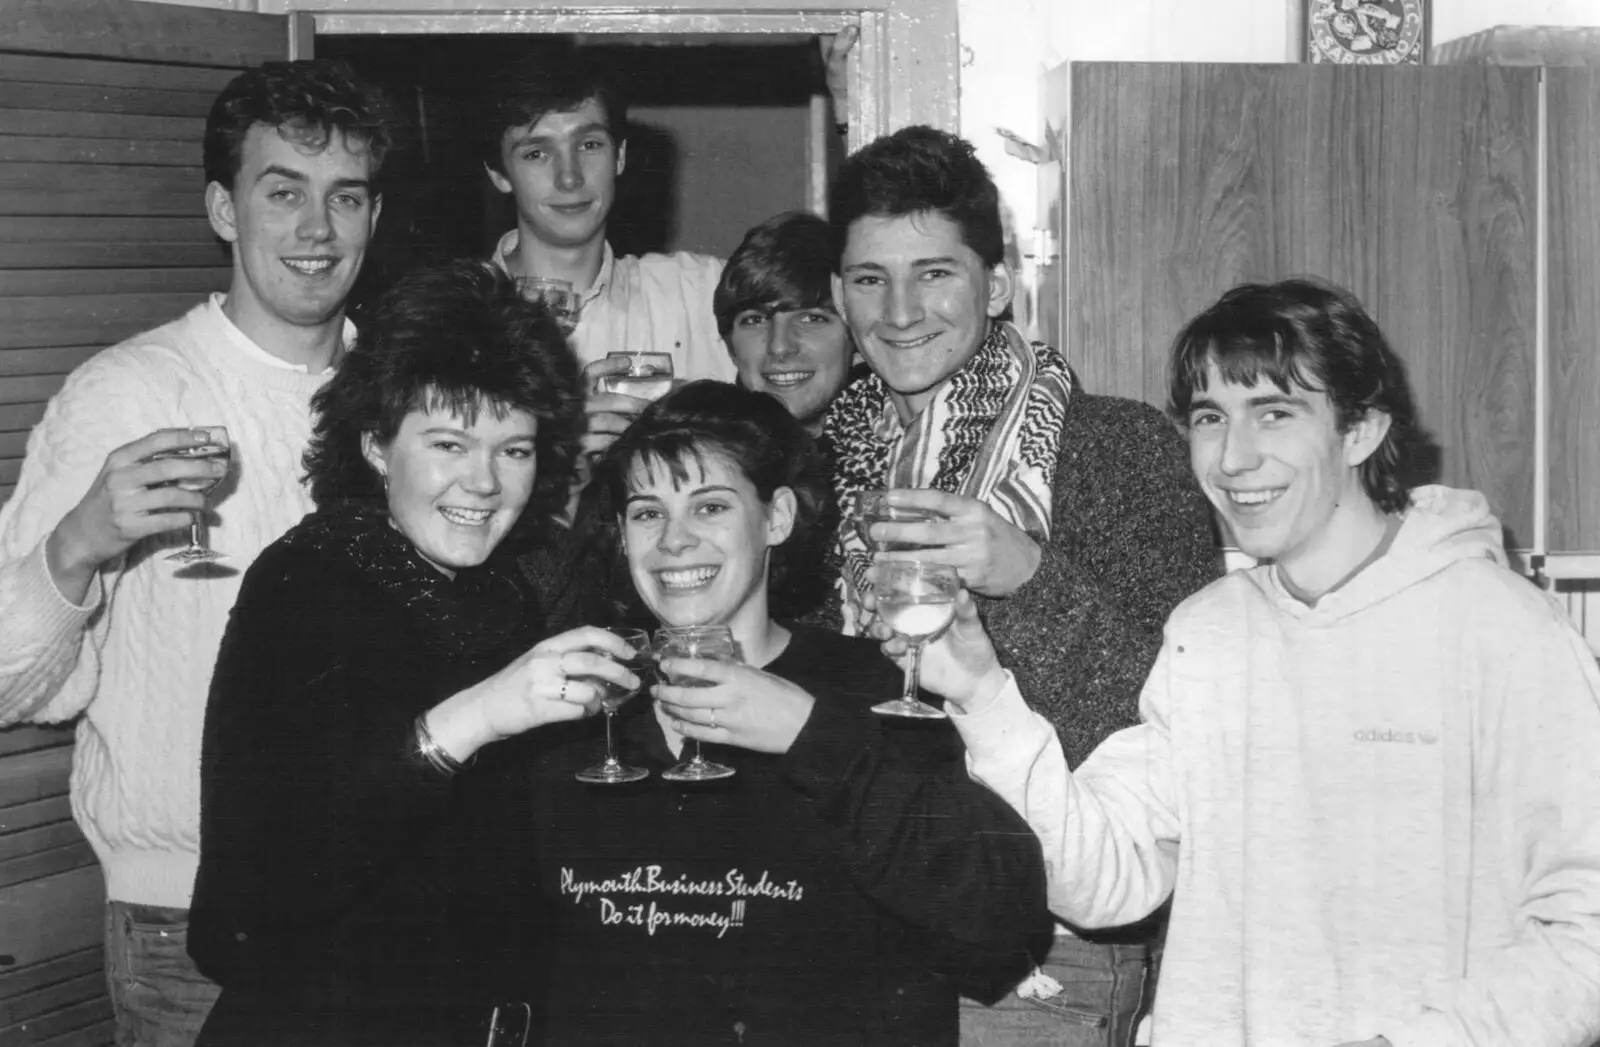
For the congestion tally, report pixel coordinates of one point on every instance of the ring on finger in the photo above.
(713, 719)
(564, 681)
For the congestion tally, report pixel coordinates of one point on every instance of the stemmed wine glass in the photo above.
(873, 507)
(649, 375)
(612, 771)
(713, 643)
(557, 296)
(217, 447)
(918, 601)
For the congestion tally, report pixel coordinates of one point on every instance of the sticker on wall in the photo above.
(1366, 32)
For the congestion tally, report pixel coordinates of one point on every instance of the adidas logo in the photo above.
(1373, 734)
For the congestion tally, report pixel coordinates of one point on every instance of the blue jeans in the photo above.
(159, 997)
(1103, 994)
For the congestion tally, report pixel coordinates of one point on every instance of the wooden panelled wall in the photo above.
(102, 235)
(52, 981)
(102, 226)
(1415, 188)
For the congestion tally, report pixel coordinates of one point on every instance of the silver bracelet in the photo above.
(432, 751)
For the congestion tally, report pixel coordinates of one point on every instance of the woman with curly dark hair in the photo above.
(345, 892)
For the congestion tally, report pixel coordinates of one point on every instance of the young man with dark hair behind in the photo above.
(95, 623)
(1071, 516)
(774, 309)
(1365, 774)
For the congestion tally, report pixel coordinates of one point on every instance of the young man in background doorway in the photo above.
(554, 139)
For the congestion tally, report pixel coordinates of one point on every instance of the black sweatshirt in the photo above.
(350, 894)
(836, 894)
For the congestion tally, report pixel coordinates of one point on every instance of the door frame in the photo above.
(904, 70)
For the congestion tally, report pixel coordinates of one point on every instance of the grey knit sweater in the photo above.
(1131, 538)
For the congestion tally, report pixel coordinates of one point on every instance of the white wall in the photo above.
(1458, 18)
(1007, 44)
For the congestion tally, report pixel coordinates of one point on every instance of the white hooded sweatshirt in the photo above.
(1377, 816)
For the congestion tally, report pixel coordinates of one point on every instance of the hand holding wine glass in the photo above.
(709, 643)
(135, 495)
(557, 296)
(564, 677)
(994, 556)
(648, 376)
(878, 507)
(611, 770)
(916, 601)
(216, 450)
(741, 706)
(614, 398)
(960, 665)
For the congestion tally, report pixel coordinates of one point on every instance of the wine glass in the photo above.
(711, 642)
(918, 601)
(557, 296)
(873, 507)
(612, 771)
(649, 375)
(197, 551)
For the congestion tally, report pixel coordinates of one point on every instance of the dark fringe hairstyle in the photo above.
(456, 337)
(1316, 336)
(782, 265)
(756, 434)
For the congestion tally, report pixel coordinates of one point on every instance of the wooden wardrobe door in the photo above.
(1415, 188)
(1573, 130)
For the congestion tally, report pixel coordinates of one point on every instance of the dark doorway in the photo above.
(717, 139)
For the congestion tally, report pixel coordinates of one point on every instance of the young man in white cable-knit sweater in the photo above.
(95, 622)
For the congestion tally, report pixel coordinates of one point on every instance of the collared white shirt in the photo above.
(243, 342)
(659, 303)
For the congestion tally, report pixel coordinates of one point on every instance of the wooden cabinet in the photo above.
(1415, 188)
(1573, 362)
(1567, 61)
(1572, 107)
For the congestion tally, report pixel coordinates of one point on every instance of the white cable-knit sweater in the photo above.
(136, 660)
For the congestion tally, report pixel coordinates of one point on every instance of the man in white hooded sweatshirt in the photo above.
(1366, 771)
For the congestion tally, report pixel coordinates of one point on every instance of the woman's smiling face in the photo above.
(456, 486)
(697, 542)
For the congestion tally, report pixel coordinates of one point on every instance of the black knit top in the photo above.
(349, 894)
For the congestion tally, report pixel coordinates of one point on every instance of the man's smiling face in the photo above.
(917, 299)
(562, 172)
(299, 215)
(801, 356)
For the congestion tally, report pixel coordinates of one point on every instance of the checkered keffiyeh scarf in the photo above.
(992, 432)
